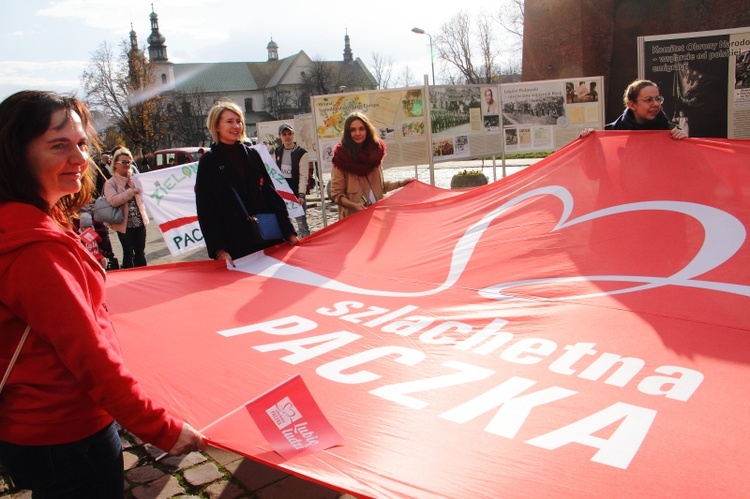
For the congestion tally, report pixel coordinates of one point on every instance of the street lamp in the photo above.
(420, 31)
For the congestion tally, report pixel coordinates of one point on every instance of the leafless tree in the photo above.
(319, 79)
(406, 77)
(120, 89)
(279, 102)
(382, 67)
(510, 17)
(328, 78)
(487, 49)
(454, 46)
(186, 113)
(498, 49)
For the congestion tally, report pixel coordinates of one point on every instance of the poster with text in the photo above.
(704, 78)
(268, 133)
(546, 115)
(398, 116)
(465, 122)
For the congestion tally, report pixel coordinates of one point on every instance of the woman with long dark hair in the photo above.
(63, 381)
(357, 177)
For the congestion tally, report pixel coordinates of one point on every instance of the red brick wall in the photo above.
(572, 38)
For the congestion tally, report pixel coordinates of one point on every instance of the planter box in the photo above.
(464, 181)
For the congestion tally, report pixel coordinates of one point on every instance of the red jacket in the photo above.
(70, 380)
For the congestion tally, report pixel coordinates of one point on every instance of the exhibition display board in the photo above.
(437, 123)
(704, 77)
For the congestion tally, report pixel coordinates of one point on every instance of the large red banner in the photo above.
(578, 329)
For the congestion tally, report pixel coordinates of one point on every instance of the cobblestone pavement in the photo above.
(216, 473)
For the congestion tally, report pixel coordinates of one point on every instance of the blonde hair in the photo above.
(123, 151)
(214, 115)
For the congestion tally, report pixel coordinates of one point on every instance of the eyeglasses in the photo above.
(124, 162)
(650, 100)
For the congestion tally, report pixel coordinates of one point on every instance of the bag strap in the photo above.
(239, 199)
(15, 356)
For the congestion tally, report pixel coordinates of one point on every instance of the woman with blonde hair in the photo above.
(232, 185)
(121, 191)
(357, 176)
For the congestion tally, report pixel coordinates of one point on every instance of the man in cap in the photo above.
(293, 163)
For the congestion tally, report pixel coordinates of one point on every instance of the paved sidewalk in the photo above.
(216, 473)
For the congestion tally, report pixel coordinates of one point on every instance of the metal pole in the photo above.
(432, 59)
(420, 31)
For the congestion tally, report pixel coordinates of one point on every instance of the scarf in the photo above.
(366, 161)
(627, 121)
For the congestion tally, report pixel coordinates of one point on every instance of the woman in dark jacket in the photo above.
(232, 183)
(643, 110)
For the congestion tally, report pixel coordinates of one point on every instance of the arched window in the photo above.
(163, 79)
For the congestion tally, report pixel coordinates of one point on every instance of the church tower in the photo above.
(348, 56)
(157, 53)
(273, 51)
(133, 39)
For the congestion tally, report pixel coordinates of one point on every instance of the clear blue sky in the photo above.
(45, 44)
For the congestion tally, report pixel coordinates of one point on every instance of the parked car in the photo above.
(176, 156)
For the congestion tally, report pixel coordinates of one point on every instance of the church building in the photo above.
(274, 89)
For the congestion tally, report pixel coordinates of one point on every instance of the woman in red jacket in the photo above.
(65, 381)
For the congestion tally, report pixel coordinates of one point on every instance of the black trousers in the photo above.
(133, 247)
(89, 468)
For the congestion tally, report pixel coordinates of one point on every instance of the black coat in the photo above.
(220, 215)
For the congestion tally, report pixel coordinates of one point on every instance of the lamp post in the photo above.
(420, 31)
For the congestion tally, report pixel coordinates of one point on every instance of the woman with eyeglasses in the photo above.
(643, 110)
(121, 191)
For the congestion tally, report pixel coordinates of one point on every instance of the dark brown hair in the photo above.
(371, 140)
(24, 116)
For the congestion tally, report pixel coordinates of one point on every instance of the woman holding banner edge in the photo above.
(63, 377)
(232, 183)
(357, 175)
(643, 111)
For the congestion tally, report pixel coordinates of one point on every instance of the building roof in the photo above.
(221, 77)
(212, 77)
(224, 77)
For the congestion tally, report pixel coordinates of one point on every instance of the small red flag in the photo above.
(291, 421)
